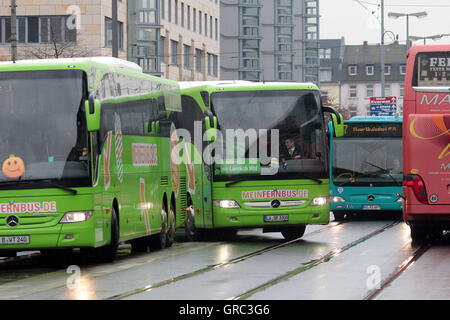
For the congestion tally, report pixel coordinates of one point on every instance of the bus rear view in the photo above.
(426, 146)
(366, 167)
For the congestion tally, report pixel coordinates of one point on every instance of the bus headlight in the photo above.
(319, 201)
(226, 204)
(76, 216)
(337, 199)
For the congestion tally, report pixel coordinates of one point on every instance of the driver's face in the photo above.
(289, 143)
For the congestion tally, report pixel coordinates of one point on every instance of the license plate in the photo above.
(15, 240)
(276, 218)
(371, 207)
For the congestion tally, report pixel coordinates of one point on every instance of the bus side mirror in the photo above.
(92, 110)
(338, 124)
(153, 127)
(337, 119)
(211, 128)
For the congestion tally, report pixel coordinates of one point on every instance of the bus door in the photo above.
(207, 174)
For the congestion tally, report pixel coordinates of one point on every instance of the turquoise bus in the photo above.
(366, 166)
(268, 186)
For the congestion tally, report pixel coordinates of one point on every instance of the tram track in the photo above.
(325, 258)
(219, 265)
(407, 263)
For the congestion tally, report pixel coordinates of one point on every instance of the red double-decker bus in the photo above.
(426, 146)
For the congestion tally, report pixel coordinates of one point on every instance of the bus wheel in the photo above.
(171, 226)
(9, 254)
(108, 253)
(418, 233)
(192, 233)
(139, 245)
(291, 233)
(339, 216)
(158, 241)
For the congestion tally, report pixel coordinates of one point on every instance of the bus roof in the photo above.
(375, 119)
(110, 61)
(243, 84)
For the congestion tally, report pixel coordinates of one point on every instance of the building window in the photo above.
(213, 65)
(325, 53)
(352, 70)
(163, 8)
(353, 93)
(387, 90)
(353, 110)
(216, 29)
(35, 29)
(189, 17)
(173, 52)
(182, 14)
(198, 60)
(325, 75)
(186, 56)
(108, 33)
(194, 22)
(200, 16)
(175, 12)
(369, 91)
(169, 10)
(370, 70)
(206, 24)
(402, 90)
(387, 69)
(403, 69)
(211, 27)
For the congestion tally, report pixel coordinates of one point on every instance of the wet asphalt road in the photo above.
(358, 259)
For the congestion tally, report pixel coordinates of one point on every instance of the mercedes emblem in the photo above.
(12, 221)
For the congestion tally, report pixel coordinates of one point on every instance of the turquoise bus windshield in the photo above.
(43, 127)
(295, 133)
(367, 161)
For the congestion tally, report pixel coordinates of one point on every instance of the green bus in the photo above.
(257, 157)
(81, 165)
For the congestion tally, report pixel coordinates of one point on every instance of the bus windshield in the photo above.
(367, 162)
(432, 69)
(295, 133)
(43, 127)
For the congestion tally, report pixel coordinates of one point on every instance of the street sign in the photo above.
(383, 106)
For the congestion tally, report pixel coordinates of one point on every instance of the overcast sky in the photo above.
(360, 20)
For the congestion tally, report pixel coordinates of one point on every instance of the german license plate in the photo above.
(15, 240)
(276, 218)
(371, 207)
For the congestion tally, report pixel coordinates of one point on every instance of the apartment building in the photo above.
(270, 40)
(361, 76)
(61, 28)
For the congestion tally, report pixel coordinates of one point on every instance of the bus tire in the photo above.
(171, 225)
(419, 233)
(139, 245)
(292, 233)
(8, 253)
(191, 231)
(158, 241)
(339, 216)
(109, 252)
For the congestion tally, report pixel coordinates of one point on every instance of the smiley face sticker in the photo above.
(13, 167)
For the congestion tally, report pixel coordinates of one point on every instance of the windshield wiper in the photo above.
(234, 182)
(384, 170)
(46, 182)
(53, 184)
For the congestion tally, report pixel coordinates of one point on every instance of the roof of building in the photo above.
(365, 55)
